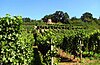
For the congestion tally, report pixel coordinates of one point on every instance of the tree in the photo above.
(87, 17)
(74, 18)
(99, 17)
(58, 16)
(26, 19)
(46, 17)
(99, 21)
(65, 19)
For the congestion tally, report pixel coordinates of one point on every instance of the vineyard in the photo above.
(27, 45)
(81, 43)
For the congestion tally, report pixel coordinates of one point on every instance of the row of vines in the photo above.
(15, 44)
(76, 42)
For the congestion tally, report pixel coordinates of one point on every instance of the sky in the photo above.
(37, 9)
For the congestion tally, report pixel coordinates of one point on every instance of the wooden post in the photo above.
(81, 50)
(51, 50)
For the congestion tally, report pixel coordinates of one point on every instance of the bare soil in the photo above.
(68, 59)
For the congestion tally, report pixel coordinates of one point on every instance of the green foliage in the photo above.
(15, 47)
(45, 40)
(87, 17)
(58, 16)
(69, 40)
(46, 59)
(45, 37)
(69, 37)
(26, 19)
(25, 44)
(38, 59)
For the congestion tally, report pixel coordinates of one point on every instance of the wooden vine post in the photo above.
(80, 41)
(51, 53)
(80, 50)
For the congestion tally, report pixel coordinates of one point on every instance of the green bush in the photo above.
(15, 47)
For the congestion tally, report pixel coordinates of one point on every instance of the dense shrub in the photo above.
(15, 46)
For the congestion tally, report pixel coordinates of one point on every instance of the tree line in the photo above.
(63, 17)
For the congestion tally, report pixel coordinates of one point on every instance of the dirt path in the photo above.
(67, 59)
(69, 63)
(86, 62)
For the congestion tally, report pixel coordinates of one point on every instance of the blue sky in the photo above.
(36, 9)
